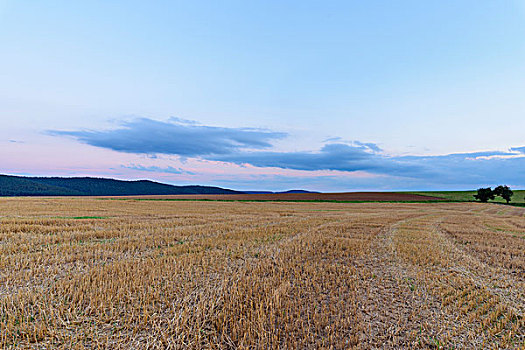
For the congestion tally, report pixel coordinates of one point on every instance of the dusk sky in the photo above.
(266, 95)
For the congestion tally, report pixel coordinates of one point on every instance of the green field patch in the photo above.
(468, 196)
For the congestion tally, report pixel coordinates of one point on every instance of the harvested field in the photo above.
(348, 196)
(89, 273)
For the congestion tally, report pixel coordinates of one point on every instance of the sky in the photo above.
(266, 95)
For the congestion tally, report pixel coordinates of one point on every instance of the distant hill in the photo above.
(89, 186)
(298, 191)
(270, 192)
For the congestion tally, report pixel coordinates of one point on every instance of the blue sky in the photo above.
(325, 95)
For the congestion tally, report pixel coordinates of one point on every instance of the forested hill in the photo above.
(88, 186)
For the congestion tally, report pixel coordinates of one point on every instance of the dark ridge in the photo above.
(270, 192)
(89, 186)
(298, 191)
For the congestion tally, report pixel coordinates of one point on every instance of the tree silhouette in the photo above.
(504, 192)
(484, 194)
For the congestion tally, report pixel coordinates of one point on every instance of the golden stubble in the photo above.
(112, 274)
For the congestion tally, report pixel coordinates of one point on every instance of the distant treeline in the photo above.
(484, 194)
(89, 186)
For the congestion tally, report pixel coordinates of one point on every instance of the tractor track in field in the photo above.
(404, 303)
(396, 314)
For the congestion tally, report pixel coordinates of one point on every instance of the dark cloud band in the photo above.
(250, 146)
(147, 136)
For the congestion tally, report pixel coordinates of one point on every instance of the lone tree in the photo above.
(484, 194)
(504, 192)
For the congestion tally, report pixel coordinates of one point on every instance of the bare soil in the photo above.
(346, 196)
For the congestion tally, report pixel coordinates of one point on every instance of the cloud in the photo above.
(471, 169)
(334, 139)
(156, 169)
(336, 156)
(251, 147)
(369, 145)
(518, 149)
(177, 136)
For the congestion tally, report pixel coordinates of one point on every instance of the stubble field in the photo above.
(91, 273)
